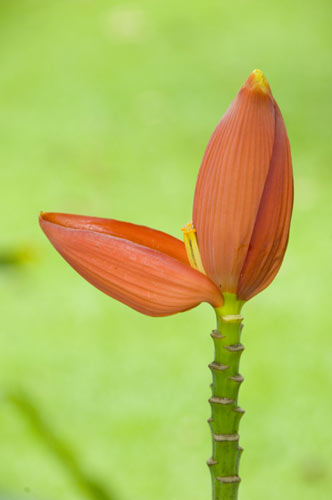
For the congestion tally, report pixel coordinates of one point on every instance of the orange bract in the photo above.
(244, 193)
(142, 277)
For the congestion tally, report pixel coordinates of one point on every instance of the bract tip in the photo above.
(257, 82)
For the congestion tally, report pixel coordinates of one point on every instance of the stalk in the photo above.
(225, 412)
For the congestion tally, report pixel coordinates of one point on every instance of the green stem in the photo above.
(225, 412)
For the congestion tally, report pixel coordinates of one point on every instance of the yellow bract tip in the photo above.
(257, 81)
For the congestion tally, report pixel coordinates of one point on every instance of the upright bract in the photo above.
(244, 193)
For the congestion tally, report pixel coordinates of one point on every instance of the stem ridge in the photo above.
(231, 479)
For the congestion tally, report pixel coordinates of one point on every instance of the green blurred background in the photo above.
(106, 108)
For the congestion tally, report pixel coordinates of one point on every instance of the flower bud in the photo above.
(244, 193)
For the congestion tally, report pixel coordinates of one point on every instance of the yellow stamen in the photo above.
(190, 242)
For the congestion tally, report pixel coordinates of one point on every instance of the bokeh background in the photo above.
(106, 108)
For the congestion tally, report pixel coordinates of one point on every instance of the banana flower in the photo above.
(241, 216)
